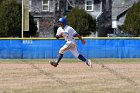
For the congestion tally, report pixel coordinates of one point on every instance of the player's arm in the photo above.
(79, 36)
(58, 34)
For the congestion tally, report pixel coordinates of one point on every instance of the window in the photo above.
(37, 25)
(45, 5)
(70, 4)
(89, 5)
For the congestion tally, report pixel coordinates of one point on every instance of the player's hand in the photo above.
(61, 34)
(83, 41)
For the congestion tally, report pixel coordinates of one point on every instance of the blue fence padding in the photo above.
(10, 49)
(94, 48)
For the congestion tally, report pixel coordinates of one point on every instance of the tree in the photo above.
(132, 21)
(10, 18)
(81, 21)
(1, 1)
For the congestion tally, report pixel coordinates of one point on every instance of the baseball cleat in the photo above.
(89, 63)
(53, 63)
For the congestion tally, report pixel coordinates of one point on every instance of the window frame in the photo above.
(45, 5)
(92, 5)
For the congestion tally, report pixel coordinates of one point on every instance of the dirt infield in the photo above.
(69, 65)
(69, 78)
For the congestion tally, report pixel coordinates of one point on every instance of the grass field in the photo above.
(71, 76)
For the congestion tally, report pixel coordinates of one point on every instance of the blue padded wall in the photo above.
(94, 48)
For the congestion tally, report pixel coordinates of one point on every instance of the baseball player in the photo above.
(68, 33)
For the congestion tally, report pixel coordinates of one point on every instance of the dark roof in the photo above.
(121, 6)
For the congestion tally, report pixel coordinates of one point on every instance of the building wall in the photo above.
(46, 19)
(105, 20)
(57, 10)
(101, 12)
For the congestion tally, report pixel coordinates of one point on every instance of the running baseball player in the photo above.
(68, 33)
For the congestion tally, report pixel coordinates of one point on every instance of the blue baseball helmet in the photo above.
(62, 20)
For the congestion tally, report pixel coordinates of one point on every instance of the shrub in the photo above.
(132, 21)
(81, 21)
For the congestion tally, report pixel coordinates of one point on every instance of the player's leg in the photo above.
(55, 63)
(77, 55)
(62, 50)
(80, 56)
